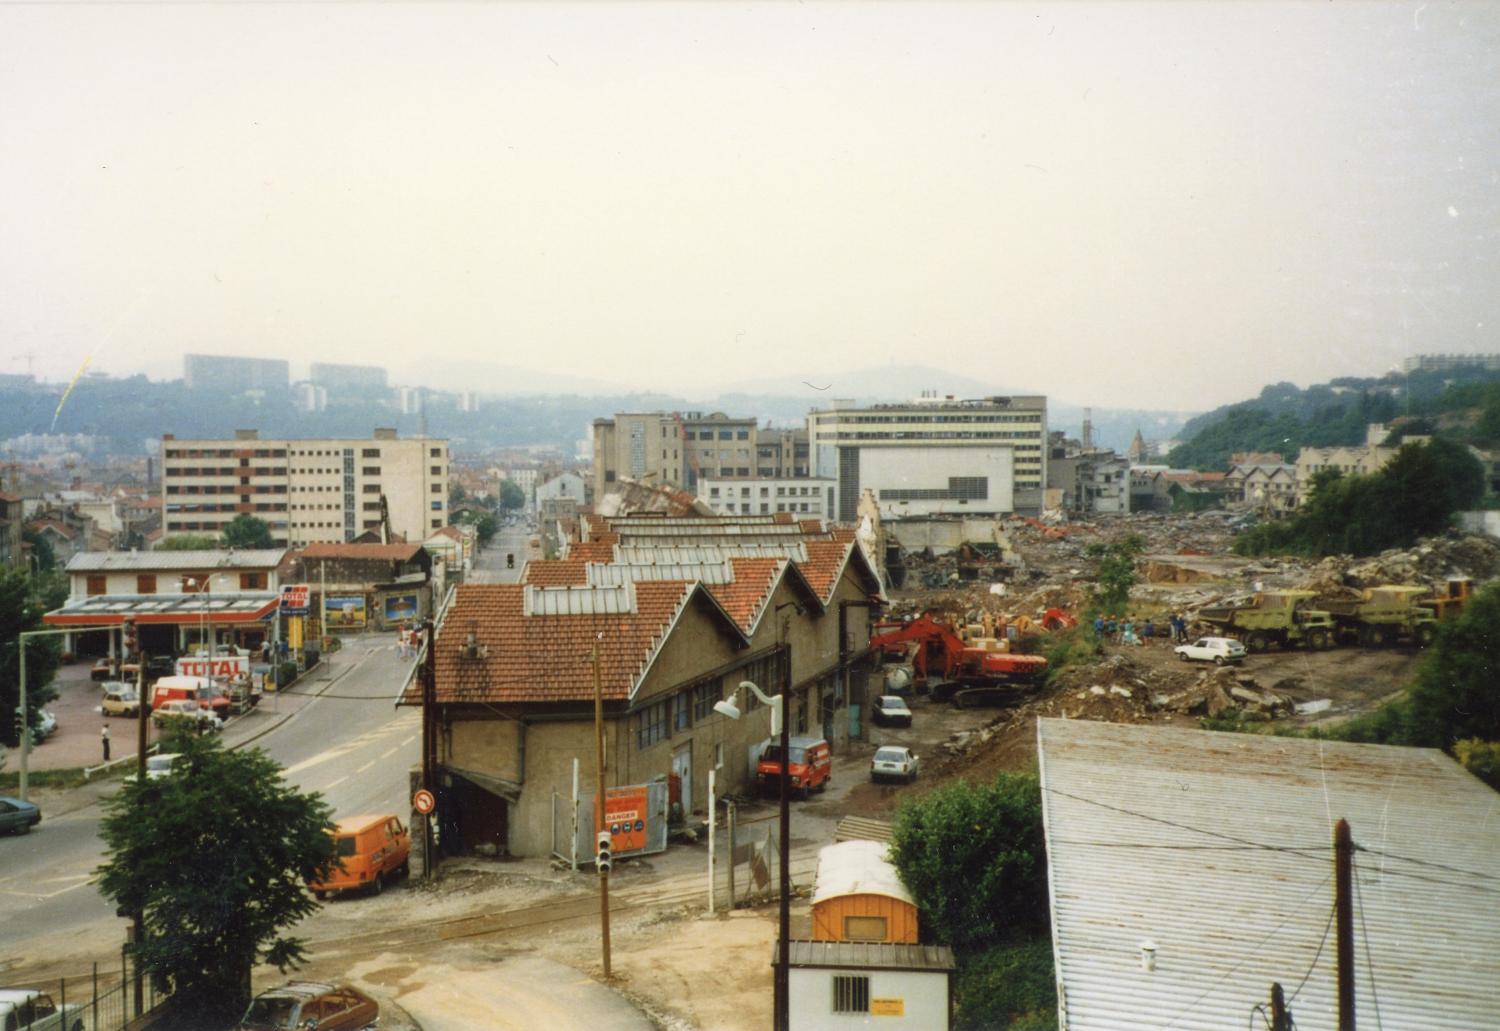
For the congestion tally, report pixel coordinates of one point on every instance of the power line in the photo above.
(1365, 934)
(1428, 862)
(1317, 955)
(1295, 910)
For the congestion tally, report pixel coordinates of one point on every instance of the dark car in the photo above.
(892, 711)
(310, 1005)
(16, 816)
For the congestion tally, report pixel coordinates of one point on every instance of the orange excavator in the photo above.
(969, 675)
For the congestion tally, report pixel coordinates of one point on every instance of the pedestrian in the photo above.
(1099, 626)
(104, 739)
(1148, 631)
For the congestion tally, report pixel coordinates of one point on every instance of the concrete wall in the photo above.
(923, 1000)
(929, 468)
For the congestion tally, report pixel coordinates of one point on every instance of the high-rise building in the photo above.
(935, 455)
(234, 374)
(345, 377)
(305, 490)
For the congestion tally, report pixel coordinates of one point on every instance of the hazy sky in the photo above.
(1123, 204)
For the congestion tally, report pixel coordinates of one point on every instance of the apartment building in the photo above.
(808, 496)
(682, 448)
(200, 371)
(936, 455)
(307, 491)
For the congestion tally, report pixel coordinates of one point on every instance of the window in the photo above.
(437, 488)
(97, 583)
(370, 452)
(851, 994)
(651, 724)
(372, 488)
(437, 470)
(437, 452)
(145, 583)
(726, 434)
(865, 928)
(369, 470)
(704, 697)
(252, 581)
(437, 524)
(437, 506)
(682, 715)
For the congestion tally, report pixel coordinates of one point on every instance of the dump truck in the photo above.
(1383, 615)
(1284, 618)
(1450, 603)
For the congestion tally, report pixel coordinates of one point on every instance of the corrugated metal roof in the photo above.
(858, 868)
(648, 554)
(1218, 847)
(706, 572)
(871, 955)
(150, 561)
(578, 601)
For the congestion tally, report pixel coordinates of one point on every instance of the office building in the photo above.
(682, 448)
(308, 491)
(347, 377)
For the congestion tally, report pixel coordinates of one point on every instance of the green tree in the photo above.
(188, 542)
(485, 528)
(1114, 572)
(246, 531)
(1455, 695)
(44, 558)
(511, 495)
(975, 860)
(23, 602)
(217, 856)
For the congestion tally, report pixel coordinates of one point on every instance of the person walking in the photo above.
(104, 740)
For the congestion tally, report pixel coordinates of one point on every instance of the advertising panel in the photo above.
(400, 607)
(294, 599)
(219, 666)
(345, 612)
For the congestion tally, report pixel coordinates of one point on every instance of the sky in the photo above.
(1119, 204)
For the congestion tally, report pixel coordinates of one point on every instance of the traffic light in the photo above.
(131, 644)
(20, 721)
(603, 859)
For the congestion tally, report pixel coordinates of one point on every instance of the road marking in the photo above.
(365, 767)
(409, 740)
(390, 752)
(336, 783)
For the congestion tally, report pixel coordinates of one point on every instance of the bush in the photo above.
(1010, 987)
(1070, 647)
(1481, 758)
(974, 858)
(286, 672)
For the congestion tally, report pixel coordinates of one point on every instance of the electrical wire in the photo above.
(1189, 848)
(1332, 910)
(1364, 933)
(1259, 1008)
(1428, 862)
(1295, 910)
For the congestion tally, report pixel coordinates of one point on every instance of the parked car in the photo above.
(185, 709)
(28, 1009)
(371, 850)
(16, 816)
(46, 726)
(892, 711)
(111, 669)
(1217, 650)
(310, 1005)
(811, 765)
(119, 700)
(895, 763)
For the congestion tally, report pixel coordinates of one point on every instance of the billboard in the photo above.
(400, 607)
(219, 666)
(294, 599)
(344, 612)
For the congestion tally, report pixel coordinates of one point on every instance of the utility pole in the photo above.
(1281, 1020)
(1343, 869)
(599, 824)
(784, 922)
(131, 643)
(429, 735)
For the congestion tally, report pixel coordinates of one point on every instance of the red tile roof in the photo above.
(751, 587)
(385, 552)
(557, 572)
(549, 658)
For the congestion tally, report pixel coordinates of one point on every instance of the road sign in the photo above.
(423, 802)
(294, 599)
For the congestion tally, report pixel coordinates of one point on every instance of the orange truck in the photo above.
(370, 851)
(811, 765)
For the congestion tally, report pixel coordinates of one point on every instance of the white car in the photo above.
(894, 762)
(186, 709)
(1217, 650)
(29, 1009)
(46, 726)
(157, 766)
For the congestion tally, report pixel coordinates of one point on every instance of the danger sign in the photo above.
(423, 802)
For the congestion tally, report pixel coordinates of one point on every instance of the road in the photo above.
(490, 568)
(343, 739)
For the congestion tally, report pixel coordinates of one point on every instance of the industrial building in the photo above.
(935, 456)
(307, 491)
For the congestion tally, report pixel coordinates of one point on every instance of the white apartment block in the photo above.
(808, 497)
(307, 491)
(934, 456)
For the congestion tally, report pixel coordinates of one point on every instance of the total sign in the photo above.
(230, 666)
(294, 599)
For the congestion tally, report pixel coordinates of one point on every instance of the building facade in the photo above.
(235, 374)
(307, 491)
(812, 497)
(934, 455)
(343, 377)
(682, 448)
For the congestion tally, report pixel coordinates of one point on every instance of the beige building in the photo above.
(1351, 461)
(681, 448)
(935, 456)
(308, 491)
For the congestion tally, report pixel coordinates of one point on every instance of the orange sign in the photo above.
(423, 802)
(887, 1007)
(625, 818)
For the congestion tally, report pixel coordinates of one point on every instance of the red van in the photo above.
(810, 767)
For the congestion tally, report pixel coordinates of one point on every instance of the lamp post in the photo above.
(783, 930)
(205, 588)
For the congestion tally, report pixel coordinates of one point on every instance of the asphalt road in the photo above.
(348, 743)
(490, 567)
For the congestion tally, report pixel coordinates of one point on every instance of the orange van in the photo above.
(811, 765)
(369, 850)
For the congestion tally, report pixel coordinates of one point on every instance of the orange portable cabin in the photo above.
(859, 896)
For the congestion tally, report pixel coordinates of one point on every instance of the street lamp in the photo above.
(205, 588)
(779, 724)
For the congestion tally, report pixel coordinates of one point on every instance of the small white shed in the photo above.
(887, 985)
